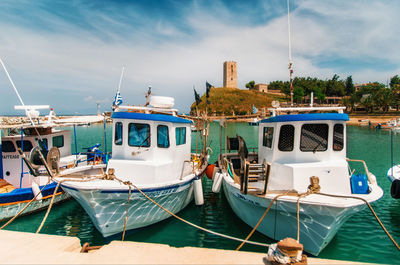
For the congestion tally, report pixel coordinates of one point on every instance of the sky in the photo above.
(69, 54)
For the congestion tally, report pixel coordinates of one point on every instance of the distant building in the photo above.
(264, 88)
(261, 87)
(359, 86)
(230, 74)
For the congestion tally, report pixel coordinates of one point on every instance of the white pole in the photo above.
(12, 83)
(312, 99)
(290, 57)
(120, 79)
(288, 18)
(16, 91)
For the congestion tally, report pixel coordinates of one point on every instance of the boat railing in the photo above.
(371, 177)
(276, 111)
(183, 167)
(148, 110)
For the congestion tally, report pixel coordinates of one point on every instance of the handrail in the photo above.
(370, 176)
(183, 167)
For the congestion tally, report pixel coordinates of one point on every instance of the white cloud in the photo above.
(71, 68)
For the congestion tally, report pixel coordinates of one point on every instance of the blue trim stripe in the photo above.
(150, 117)
(150, 190)
(308, 117)
(136, 191)
(24, 194)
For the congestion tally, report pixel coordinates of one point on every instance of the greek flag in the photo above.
(118, 99)
(255, 110)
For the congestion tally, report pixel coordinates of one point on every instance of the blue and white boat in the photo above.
(152, 150)
(297, 153)
(21, 181)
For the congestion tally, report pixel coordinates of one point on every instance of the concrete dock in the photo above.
(29, 248)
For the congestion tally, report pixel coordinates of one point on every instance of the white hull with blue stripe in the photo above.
(12, 203)
(107, 208)
(151, 151)
(299, 156)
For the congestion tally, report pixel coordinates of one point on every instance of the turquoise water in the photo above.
(360, 239)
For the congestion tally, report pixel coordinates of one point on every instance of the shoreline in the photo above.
(354, 119)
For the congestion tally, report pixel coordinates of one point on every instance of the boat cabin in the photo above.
(12, 162)
(150, 144)
(300, 146)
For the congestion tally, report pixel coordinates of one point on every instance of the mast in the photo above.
(290, 57)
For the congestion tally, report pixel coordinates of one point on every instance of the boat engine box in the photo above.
(359, 184)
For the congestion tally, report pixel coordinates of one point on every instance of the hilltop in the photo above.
(225, 101)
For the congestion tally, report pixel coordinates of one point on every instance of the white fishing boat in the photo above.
(300, 157)
(30, 152)
(151, 156)
(38, 143)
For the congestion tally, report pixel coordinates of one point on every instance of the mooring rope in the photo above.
(373, 212)
(55, 192)
(23, 209)
(48, 208)
(126, 215)
(188, 222)
(259, 221)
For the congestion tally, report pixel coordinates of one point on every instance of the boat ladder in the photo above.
(255, 173)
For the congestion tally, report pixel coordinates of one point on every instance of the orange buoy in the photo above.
(210, 171)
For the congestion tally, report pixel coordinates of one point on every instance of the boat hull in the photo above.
(107, 208)
(13, 202)
(318, 223)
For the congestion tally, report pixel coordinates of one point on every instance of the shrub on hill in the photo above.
(228, 101)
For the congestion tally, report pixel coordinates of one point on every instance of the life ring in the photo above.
(395, 189)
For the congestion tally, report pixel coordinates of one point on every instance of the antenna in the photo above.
(28, 113)
(290, 57)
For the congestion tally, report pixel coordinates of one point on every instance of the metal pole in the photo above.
(22, 160)
(1, 158)
(76, 147)
(290, 57)
(105, 138)
(391, 150)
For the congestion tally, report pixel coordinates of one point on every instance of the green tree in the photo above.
(395, 82)
(335, 87)
(318, 94)
(349, 87)
(298, 94)
(251, 84)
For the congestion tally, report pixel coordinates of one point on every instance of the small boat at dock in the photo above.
(26, 150)
(151, 159)
(300, 169)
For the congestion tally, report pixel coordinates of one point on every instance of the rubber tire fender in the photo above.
(395, 189)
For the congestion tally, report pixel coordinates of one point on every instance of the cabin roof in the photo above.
(151, 117)
(308, 117)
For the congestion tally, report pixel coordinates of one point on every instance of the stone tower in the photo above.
(230, 74)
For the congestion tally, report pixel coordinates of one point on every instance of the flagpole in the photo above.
(290, 57)
(120, 79)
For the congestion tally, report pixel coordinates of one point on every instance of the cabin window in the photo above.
(27, 145)
(286, 138)
(162, 136)
(139, 134)
(314, 137)
(180, 135)
(118, 133)
(8, 147)
(268, 136)
(338, 137)
(58, 141)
